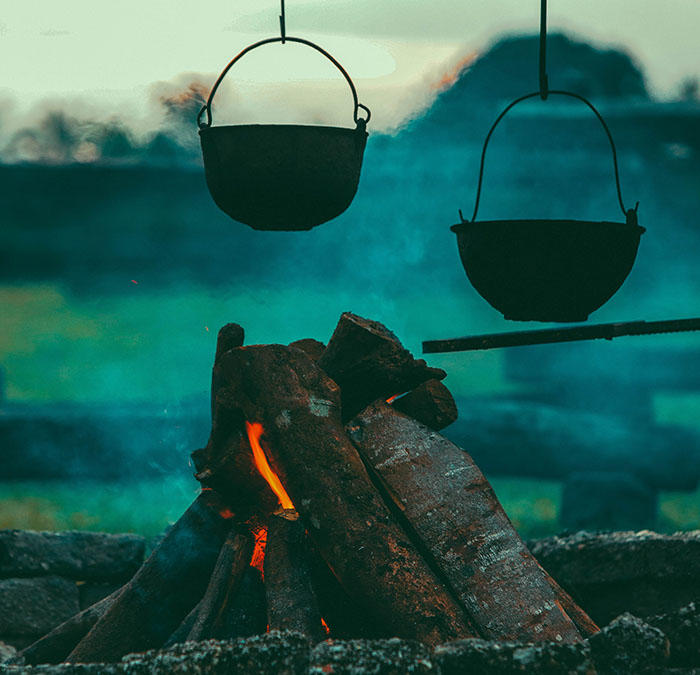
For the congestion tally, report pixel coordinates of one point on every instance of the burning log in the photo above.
(430, 403)
(291, 603)
(299, 407)
(368, 362)
(314, 348)
(164, 590)
(228, 572)
(55, 646)
(453, 511)
(230, 336)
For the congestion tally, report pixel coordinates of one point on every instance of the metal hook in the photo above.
(544, 80)
(283, 30)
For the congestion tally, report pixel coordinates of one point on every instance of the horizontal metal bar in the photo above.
(606, 331)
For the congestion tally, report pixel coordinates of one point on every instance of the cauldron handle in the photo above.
(631, 215)
(360, 121)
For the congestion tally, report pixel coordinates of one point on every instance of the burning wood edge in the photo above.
(166, 587)
(453, 511)
(298, 406)
(291, 601)
(228, 572)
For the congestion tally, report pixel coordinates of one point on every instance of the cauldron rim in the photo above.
(473, 224)
(222, 127)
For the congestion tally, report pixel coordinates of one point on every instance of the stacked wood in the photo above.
(430, 403)
(368, 362)
(291, 601)
(299, 408)
(452, 509)
(166, 587)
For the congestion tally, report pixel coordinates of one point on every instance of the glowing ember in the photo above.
(226, 513)
(391, 399)
(255, 431)
(260, 535)
(325, 626)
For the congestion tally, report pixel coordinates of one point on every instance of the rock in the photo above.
(32, 607)
(273, 653)
(628, 645)
(607, 499)
(314, 348)
(474, 655)
(644, 573)
(370, 657)
(84, 556)
(682, 628)
(7, 652)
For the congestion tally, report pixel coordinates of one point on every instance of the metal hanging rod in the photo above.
(544, 80)
(283, 28)
(605, 331)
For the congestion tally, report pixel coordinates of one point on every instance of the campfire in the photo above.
(330, 505)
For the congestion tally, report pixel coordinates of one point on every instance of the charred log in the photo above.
(455, 513)
(291, 602)
(368, 362)
(223, 585)
(166, 587)
(430, 403)
(299, 407)
(314, 348)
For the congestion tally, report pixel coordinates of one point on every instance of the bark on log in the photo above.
(585, 625)
(183, 630)
(55, 646)
(299, 408)
(430, 403)
(455, 513)
(230, 336)
(291, 602)
(368, 362)
(165, 588)
(228, 572)
(246, 615)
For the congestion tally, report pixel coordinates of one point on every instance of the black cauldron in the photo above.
(282, 176)
(548, 270)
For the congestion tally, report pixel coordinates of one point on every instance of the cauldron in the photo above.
(548, 270)
(282, 176)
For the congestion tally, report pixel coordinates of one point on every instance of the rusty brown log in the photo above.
(165, 588)
(230, 336)
(430, 403)
(291, 602)
(223, 585)
(55, 646)
(586, 626)
(299, 408)
(454, 512)
(368, 362)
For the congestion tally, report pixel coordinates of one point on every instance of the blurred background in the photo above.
(117, 270)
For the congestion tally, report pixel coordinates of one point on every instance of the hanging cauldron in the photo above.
(548, 270)
(282, 176)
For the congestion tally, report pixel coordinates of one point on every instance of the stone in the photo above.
(644, 573)
(628, 645)
(370, 657)
(273, 653)
(682, 628)
(475, 655)
(32, 607)
(85, 556)
(7, 651)
(608, 500)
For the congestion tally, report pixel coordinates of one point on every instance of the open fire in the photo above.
(395, 532)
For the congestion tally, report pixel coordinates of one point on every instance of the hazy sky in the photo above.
(109, 54)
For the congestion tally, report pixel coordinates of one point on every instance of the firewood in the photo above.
(299, 408)
(430, 403)
(165, 588)
(453, 510)
(55, 646)
(183, 630)
(246, 614)
(585, 625)
(368, 362)
(291, 602)
(230, 566)
(230, 336)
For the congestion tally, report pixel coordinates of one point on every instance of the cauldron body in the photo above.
(547, 270)
(282, 177)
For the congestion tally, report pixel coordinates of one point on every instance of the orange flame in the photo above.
(325, 626)
(255, 430)
(391, 399)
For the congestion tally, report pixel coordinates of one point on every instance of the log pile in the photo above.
(326, 510)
